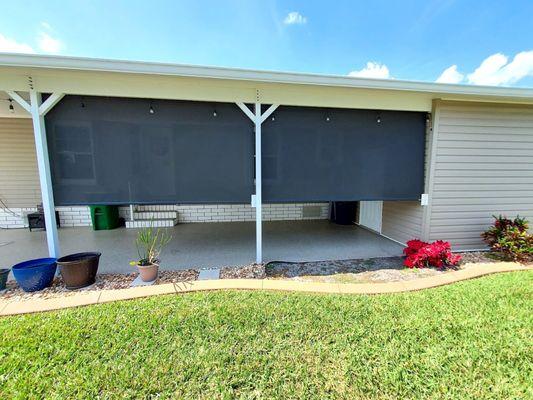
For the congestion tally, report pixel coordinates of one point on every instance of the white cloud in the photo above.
(372, 70)
(8, 45)
(48, 44)
(450, 75)
(497, 70)
(45, 39)
(294, 18)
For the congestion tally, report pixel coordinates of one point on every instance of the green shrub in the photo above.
(510, 239)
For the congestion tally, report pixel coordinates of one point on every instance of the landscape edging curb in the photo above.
(8, 307)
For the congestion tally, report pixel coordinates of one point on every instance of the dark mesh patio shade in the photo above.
(350, 157)
(114, 151)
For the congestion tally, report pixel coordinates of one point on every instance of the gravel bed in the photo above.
(478, 257)
(371, 270)
(177, 276)
(253, 271)
(103, 281)
(326, 268)
(383, 269)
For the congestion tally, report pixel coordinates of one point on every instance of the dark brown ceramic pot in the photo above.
(79, 270)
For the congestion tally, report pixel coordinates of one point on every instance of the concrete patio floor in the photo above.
(206, 245)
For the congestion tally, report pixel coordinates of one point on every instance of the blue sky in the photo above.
(488, 42)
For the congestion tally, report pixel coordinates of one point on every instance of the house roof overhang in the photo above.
(90, 76)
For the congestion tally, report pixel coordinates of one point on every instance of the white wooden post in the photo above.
(38, 111)
(45, 177)
(258, 188)
(258, 118)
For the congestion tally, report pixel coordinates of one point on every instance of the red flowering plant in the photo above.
(419, 254)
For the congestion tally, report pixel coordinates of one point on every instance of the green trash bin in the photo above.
(104, 217)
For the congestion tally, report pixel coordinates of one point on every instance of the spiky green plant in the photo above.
(150, 242)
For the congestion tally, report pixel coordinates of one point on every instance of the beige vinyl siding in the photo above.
(483, 166)
(19, 178)
(402, 220)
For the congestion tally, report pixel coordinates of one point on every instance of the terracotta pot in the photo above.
(148, 272)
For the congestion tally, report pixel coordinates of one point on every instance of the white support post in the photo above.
(258, 187)
(38, 111)
(257, 200)
(45, 176)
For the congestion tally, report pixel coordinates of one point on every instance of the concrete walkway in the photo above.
(207, 245)
(75, 299)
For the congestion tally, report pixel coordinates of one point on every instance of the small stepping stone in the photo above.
(139, 282)
(206, 274)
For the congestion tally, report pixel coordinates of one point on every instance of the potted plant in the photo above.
(150, 242)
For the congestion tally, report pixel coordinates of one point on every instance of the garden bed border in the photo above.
(14, 307)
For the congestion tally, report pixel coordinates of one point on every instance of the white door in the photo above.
(370, 214)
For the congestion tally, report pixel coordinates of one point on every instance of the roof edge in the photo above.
(197, 71)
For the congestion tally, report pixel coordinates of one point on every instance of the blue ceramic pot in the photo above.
(35, 274)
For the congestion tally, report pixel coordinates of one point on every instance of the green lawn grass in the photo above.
(468, 340)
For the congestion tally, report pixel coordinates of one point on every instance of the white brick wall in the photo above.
(80, 215)
(233, 212)
(68, 217)
(15, 217)
(74, 216)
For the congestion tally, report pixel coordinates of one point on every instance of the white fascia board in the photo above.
(150, 68)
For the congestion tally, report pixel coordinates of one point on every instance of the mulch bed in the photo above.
(253, 271)
(103, 281)
(385, 269)
(371, 270)
(478, 257)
